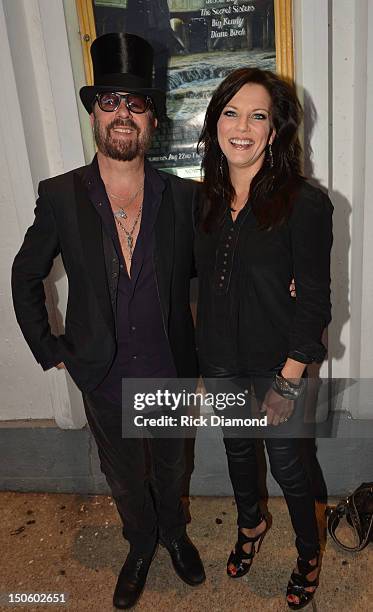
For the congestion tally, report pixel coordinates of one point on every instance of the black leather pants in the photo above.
(288, 470)
(285, 462)
(145, 476)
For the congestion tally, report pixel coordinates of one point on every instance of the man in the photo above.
(125, 233)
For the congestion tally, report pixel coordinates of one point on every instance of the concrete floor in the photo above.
(72, 544)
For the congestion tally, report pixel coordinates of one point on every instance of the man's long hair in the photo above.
(273, 188)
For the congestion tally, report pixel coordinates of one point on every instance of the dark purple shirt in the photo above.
(143, 350)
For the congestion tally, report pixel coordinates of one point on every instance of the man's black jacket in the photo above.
(66, 222)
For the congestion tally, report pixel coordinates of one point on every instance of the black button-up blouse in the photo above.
(247, 320)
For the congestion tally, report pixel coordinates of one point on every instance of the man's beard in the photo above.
(123, 149)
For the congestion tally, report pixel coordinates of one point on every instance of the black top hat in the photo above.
(122, 62)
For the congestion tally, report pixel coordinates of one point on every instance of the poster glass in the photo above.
(196, 43)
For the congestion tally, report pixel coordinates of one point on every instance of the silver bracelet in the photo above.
(287, 389)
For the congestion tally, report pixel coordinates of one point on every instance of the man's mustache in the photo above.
(123, 123)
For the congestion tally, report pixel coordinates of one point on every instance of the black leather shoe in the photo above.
(186, 561)
(131, 581)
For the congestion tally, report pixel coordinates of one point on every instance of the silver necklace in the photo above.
(129, 233)
(121, 213)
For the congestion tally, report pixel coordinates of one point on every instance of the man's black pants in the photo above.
(145, 476)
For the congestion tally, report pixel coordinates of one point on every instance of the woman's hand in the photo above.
(277, 408)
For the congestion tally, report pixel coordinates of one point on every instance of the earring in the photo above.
(221, 164)
(270, 155)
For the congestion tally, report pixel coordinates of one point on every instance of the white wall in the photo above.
(333, 40)
(40, 62)
(367, 308)
(352, 169)
(24, 390)
(333, 44)
(363, 195)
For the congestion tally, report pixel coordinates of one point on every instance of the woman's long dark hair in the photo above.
(273, 188)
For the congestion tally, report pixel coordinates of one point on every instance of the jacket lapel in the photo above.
(90, 228)
(164, 249)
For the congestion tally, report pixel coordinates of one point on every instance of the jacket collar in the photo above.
(90, 228)
(91, 173)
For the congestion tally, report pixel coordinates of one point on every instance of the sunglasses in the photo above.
(135, 103)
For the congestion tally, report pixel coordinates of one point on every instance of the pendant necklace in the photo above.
(129, 233)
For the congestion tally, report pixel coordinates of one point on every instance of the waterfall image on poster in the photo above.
(196, 43)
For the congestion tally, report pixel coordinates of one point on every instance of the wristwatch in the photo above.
(286, 388)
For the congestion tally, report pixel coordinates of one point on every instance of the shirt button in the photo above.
(227, 245)
(225, 254)
(115, 274)
(222, 277)
(100, 203)
(232, 229)
(133, 328)
(121, 266)
(229, 237)
(134, 356)
(220, 284)
(114, 260)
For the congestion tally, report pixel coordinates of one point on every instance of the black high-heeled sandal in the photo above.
(298, 583)
(241, 560)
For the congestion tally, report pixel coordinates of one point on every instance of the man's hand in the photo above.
(278, 409)
(293, 293)
(60, 366)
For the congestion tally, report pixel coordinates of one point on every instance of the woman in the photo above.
(260, 225)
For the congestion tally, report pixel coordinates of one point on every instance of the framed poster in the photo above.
(196, 44)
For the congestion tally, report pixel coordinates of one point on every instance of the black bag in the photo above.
(358, 510)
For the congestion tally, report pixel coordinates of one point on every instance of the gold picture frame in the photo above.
(283, 36)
